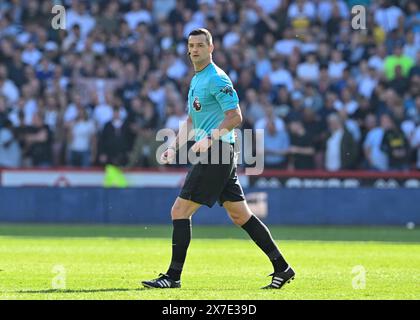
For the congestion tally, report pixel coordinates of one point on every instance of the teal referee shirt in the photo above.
(211, 94)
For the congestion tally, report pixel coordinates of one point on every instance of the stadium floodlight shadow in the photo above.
(60, 291)
(314, 233)
(78, 290)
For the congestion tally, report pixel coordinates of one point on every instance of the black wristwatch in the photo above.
(210, 137)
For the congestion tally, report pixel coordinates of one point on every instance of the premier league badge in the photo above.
(197, 104)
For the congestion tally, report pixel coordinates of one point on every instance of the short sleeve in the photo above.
(222, 89)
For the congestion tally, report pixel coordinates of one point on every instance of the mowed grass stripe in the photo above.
(111, 268)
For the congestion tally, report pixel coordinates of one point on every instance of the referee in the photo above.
(212, 104)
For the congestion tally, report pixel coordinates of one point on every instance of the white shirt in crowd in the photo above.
(387, 18)
(70, 114)
(377, 63)
(278, 123)
(308, 71)
(373, 143)
(177, 70)
(10, 156)
(325, 8)
(51, 119)
(29, 109)
(281, 77)
(333, 152)
(353, 127)
(230, 39)
(31, 57)
(133, 18)
(262, 68)
(103, 114)
(174, 121)
(269, 6)
(158, 97)
(85, 21)
(366, 85)
(285, 47)
(82, 132)
(350, 106)
(10, 91)
(309, 10)
(335, 69)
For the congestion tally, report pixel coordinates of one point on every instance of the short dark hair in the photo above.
(197, 32)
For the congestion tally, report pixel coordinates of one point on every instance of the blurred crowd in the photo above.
(330, 94)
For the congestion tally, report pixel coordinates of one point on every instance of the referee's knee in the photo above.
(238, 219)
(178, 212)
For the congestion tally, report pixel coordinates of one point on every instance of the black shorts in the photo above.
(207, 183)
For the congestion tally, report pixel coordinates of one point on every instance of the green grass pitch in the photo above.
(108, 262)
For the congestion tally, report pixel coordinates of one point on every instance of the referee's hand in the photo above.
(202, 145)
(168, 156)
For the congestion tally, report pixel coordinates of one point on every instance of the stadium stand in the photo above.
(97, 92)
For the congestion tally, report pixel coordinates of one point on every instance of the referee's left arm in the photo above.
(222, 89)
(233, 119)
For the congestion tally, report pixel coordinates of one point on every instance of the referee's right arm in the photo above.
(183, 135)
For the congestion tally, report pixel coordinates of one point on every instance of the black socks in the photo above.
(181, 237)
(262, 237)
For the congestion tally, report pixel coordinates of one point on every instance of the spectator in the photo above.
(300, 57)
(389, 17)
(377, 60)
(337, 65)
(269, 116)
(280, 76)
(341, 151)
(276, 145)
(113, 147)
(3, 111)
(348, 104)
(104, 112)
(143, 123)
(176, 116)
(367, 81)
(301, 150)
(412, 22)
(397, 59)
(7, 87)
(301, 9)
(400, 83)
(38, 143)
(415, 144)
(285, 46)
(10, 153)
(309, 70)
(31, 55)
(394, 144)
(315, 130)
(376, 159)
(78, 15)
(82, 140)
(255, 109)
(296, 112)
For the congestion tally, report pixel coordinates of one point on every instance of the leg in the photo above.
(181, 213)
(242, 216)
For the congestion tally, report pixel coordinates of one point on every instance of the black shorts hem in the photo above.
(220, 202)
(188, 196)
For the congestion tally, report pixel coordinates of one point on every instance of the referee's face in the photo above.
(199, 49)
